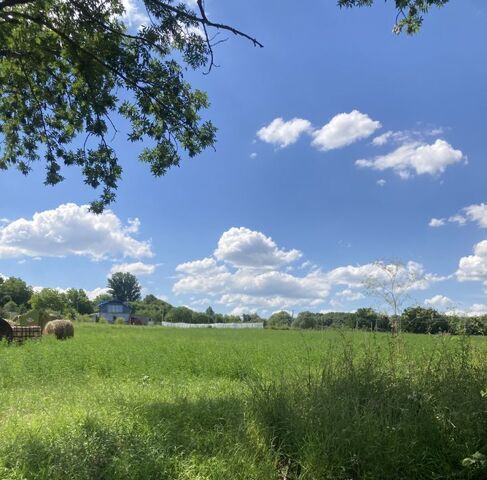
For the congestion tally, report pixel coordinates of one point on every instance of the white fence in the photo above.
(213, 325)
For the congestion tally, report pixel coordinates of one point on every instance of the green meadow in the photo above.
(120, 402)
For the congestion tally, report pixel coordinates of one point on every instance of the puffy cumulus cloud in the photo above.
(416, 158)
(251, 273)
(344, 129)
(473, 213)
(135, 268)
(474, 267)
(381, 182)
(242, 247)
(475, 310)
(439, 301)
(284, 133)
(71, 229)
(477, 214)
(410, 276)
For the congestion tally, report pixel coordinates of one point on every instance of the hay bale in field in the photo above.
(61, 328)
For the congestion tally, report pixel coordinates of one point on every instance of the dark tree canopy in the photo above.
(64, 68)
(124, 287)
(79, 301)
(14, 289)
(410, 13)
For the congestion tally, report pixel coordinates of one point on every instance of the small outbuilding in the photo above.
(113, 309)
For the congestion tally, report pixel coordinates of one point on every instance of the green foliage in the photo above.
(79, 301)
(16, 290)
(62, 68)
(409, 12)
(151, 307)
(179, 315)
(119, 321)
(424, 320)
(307, 320)
(200, 317)
(468, 325)
(280, 320)
(100, 299)
(124, 287)
(10, 307)
(373, 410)
(33, 317)
(181, 404)
(48, 299)
(251, 318)
(369, 319)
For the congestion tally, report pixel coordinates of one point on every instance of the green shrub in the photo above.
(280, 320)
(179, 315)
(306, 320)
(119, 321)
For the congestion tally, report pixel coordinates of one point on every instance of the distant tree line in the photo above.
(412, 320)
(18, 298)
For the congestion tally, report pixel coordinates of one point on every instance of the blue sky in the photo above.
(378, 135)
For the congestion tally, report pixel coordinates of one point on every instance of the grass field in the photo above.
(121, 402)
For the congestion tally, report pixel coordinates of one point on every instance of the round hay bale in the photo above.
(62, 329)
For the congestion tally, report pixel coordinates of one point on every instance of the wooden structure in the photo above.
(18, 333)
(6, 330)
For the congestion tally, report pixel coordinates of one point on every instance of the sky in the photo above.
(339, 144)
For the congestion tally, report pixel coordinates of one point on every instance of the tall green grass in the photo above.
(120, 402)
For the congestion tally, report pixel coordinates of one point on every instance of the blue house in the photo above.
(113, 309)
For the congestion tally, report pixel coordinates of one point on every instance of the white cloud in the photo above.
(284, 133)
(253, 155)
(459, 219)
(475, 310)
(344, 129)
(474, 267)
(242, 247)
(437, 222)
(133, 225)
(249, 270)
(439, 301)
(381, 182)
(416, 158)
(406, 136)
(477, 214)
(136, 268)
(92, 294)
(134, 16)
(70, 229)
(473, 213)
(382, 139)
(4, 220)
(350, 295)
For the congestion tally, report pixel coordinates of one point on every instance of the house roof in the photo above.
(106, 302)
